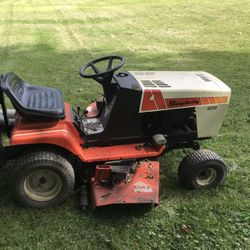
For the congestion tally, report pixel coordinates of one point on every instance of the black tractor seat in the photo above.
(30, 100)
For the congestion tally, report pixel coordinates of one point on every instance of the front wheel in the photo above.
(202, 169)
(42, 179)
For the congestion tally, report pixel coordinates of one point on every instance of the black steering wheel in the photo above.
(102, 76)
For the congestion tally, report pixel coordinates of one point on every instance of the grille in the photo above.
(204, 78)
(155, 84)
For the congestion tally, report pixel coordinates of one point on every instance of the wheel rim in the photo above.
(206, 177)
(42, 185)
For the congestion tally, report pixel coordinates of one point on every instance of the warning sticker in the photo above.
(141, 187)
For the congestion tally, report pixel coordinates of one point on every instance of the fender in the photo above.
(61, 133)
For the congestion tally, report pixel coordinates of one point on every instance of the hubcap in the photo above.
(42, 185)
(206, 176)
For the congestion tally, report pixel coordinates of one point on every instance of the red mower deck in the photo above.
(141, 187)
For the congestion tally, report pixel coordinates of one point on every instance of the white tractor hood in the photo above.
(182, 84)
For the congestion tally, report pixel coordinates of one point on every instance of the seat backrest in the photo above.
(14, 88)
(12, 84)
(30, 100)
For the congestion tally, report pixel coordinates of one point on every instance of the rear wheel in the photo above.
(202, 169)
(42, 179)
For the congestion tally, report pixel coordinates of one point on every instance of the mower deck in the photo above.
(141, 187)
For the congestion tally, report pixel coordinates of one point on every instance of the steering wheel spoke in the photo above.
(97, 71)
(110, 64)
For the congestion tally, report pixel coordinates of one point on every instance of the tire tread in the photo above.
(194, 161)
(36, 158)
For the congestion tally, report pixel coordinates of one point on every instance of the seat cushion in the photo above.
(33, 100)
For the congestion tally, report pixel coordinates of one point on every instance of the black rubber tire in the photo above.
(41, 160)
(198, 162)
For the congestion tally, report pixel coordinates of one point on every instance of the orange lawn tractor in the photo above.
(111, 148)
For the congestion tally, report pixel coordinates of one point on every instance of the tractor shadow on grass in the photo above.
(44, 65)
(6, 199)
(120, 211)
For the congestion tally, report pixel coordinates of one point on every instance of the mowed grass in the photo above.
(46, 42)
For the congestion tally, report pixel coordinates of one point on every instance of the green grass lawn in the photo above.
(46, 42)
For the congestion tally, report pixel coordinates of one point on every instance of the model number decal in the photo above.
(212, 108)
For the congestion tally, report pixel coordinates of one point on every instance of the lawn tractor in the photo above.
(110, 150)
